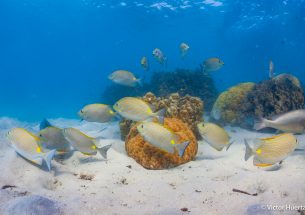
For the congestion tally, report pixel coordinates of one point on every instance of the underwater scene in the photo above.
(152, 107)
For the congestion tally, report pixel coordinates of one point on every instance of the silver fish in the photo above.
(125, 78)
(293, 122)
(271, 69)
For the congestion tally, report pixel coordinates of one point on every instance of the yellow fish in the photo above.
(269, 151)
(97, 113)
(125, 78)
(212, 64)
(136, 110)
(144, 63)
(214, 135)
(162, 138)
(83, 143)
(27, 145)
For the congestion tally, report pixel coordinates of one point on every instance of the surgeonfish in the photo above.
(27, 145)
(269, 151)
(184, 49)
(214, 135)
(212, 64)
(159, 56)
(97, 113)
(136, 110)
(271, 69)
(144, 63)
(52, 137)
(162, 138)
(83, 143)
(125, 78)
(291, 122)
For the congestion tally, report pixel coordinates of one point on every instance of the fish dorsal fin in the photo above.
(86, 136)
(273, 137)
(44, 124)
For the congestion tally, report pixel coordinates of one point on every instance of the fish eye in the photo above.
(40, 135)
(142, 126)
(82, 111)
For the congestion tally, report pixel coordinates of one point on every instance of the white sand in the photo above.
(203, 186)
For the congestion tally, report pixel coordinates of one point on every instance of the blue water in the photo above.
(55, 56)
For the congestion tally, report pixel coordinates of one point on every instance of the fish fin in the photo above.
(181, 147)
(249, 151)
(258, 163)
(260, 124)
(47, 157)
(229, 145)
(44, 124)
(103, 150)
(160, 115)
(139, 81)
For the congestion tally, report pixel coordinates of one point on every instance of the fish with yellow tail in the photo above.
(291, 122)
(97, 113)
(214, 135)
(137, 110)
(162, 138)
(27, 146)
(52, 138)
(144, 63)
(269, 151)
(184, 48)
(85, 144)
(212, 64)
(125, 78)
(159, 56)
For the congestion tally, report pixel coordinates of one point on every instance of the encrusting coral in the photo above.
(275, 96)
(227, 107)
(187, 108)
(185, 82)
(151, 157)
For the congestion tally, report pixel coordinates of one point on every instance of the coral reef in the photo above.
(187, 108)
(185, 82)
(275, 96)
(151, 157)
(227, 107)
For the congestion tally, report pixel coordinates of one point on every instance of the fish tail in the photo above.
(249, 151)
(44, 124)
(103, 151)
(47, 157)
(229, 145)
(260, 124)
(139, 81)
(160, 115)
(181, 147)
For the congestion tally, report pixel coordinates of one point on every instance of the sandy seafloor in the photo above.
(203, 186)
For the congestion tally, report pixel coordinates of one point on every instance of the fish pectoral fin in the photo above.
(258, 163)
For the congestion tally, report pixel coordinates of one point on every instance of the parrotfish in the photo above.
(269, 151)
(27, 145)
(162, 138)
(136, 109)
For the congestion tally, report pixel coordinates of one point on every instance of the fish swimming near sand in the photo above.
(125, 78)
(214, 135)
(97, 113)
(52, 138)
(292, 122)
(144, 63)
(162, 138)
(27, 146)
(159, 56)
(271, 69)
(83, 143)
(137, 110)
(212, 64)
(269, 151)
(184, 48)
